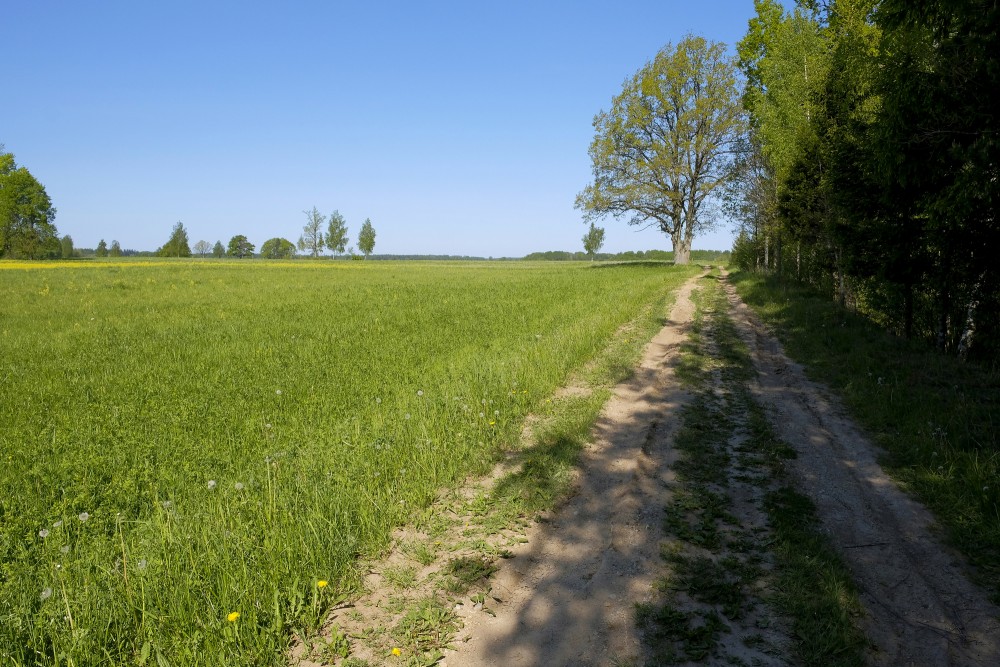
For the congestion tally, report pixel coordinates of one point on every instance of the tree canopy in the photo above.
(277, 248)
(593, 240)
(177, 244)
(27, 217)
(240, 247)
(312, 239)
(662, 152)
(366, 238)
(336, 233)
(872, 162)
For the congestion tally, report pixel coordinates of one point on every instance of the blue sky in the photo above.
(457, 127)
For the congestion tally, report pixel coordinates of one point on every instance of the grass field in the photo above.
(196, 453)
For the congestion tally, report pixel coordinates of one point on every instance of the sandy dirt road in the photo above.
(568, 594)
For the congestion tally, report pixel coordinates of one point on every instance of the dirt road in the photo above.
(568, 595)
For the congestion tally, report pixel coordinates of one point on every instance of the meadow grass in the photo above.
(934, 416)
(192, 450)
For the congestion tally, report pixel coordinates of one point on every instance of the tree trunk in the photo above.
(682, 248)
(767, 253)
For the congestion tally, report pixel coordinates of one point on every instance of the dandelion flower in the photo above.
(322, 583)
(233, 616)
(238, 486)
(83, 516)
(396, 652)
(43, 533)
(46, 593)
(211, 484)
(492, 423)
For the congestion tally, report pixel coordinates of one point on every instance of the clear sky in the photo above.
(457, 127)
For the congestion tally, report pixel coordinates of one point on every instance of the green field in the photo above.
(185, 441)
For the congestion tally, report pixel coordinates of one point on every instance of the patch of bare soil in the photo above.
(922, 609)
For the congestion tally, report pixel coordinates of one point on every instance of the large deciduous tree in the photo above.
(366, 238)
(177, 245)
(336, 233)
(312, 238)
(202, 248)
(663, 151)
(593, 240)
(277, 248)
(218, 250)
(240, 247)
(27, 227)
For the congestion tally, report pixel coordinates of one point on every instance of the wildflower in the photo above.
(322, 583)
(396, 652)
(420, 392)
(233, 616)
(83, 517)
(43, 533)
(46, 593)
(492, 423)
(211, 484)
(238, 486)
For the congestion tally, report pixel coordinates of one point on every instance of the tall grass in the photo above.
(190, 448)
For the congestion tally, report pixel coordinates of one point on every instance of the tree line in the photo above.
(870, 169)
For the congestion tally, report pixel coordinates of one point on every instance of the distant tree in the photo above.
(27, 227)
(593, 240)
(177, 246)
(240, 247)
(66, 245)
(312, 238)
(366, 238)
(116, 249)
(663, 149)
(277, 248)
(218, 250)
(202, 248)
(336, 233)
(102, 249)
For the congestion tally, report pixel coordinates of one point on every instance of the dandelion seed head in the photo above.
(65, 549)
(420, 392)
(238, 486)
(484, 401)
(167, 505)
(43, 533)
(211, 484)
(407, 416)
(378, 401)
(46, 593)
(278, 392)
(496, 413)
(83, 516)
(57, 523)
(482, 414)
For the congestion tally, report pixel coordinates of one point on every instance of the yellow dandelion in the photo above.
(322, 583)
(396, 652)
(233, 616)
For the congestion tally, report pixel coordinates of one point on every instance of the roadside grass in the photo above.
(471, 533)
(722, 572)
(935, 417)
(196, 456)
